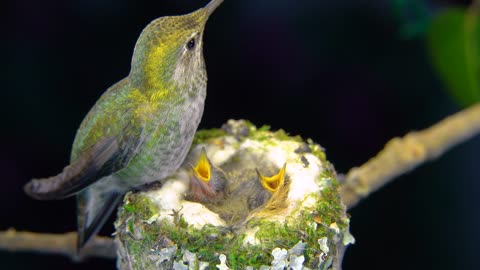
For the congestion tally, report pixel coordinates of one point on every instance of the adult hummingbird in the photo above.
(141, 128)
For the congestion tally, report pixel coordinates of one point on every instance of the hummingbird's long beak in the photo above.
(210, 7)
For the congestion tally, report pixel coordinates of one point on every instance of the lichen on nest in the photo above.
(296, 221)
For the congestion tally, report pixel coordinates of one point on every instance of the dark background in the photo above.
(334, 71)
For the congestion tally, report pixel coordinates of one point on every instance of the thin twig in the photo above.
(63, 244)
(401, 155)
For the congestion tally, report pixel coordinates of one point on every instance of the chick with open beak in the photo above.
(270, 185)
(207, 182)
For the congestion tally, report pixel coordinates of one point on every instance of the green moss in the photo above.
(317, 151)
(141, 236)
(282, 135)
(249, 124)
(131, 225)
(261, 134)
(264, 128)
(271, 235)
(310, 227)
(264, 133)
(206, 135)
(253, 256)
(331, 204)
(210, 241)
(139, 205)
(129, 208)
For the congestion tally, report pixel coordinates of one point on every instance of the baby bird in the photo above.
(208, 183)
(270, 186)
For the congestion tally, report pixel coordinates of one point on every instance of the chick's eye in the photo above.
(191, 44)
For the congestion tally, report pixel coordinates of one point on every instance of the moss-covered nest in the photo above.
(300, 224)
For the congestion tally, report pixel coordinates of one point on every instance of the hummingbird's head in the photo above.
(169, 50)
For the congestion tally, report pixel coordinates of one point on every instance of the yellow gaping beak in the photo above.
(203, 168)
(273, 183)
(200, 189)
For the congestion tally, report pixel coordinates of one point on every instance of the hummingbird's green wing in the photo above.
(105, 143)
(98, 161)
(95, 205)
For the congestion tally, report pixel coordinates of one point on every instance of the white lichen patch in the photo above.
(302, 177)
(303, 180)
(308, 202)
(165, 254)
(170, 196)
(298, 249)
(170, 199)
(323, 242)
(152, 219)
(280, 259)
(283, 259)
(197, 215)
(219, 154)
(296, 263)
(250, 237)
(191, 259)
(223, 263)
(348, 238)
(178, 265)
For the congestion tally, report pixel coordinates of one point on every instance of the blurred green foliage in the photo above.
(453, 43)
(453, 40)
(414, 17)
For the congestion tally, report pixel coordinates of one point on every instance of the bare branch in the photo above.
(401, 155)
(63, 244)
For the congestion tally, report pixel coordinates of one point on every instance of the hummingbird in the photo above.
(141, 128)
(270, 186)
(208, 183)
(273, 199)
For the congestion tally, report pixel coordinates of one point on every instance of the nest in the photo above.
(298, 222)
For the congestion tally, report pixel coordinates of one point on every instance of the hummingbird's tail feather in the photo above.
(94, 209)
(86, 169)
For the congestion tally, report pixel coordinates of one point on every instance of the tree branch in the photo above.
(63, 244)
(401, 155)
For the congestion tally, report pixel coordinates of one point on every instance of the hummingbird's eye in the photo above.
(191, 44)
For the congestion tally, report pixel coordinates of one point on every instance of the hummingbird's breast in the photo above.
(166, 139)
